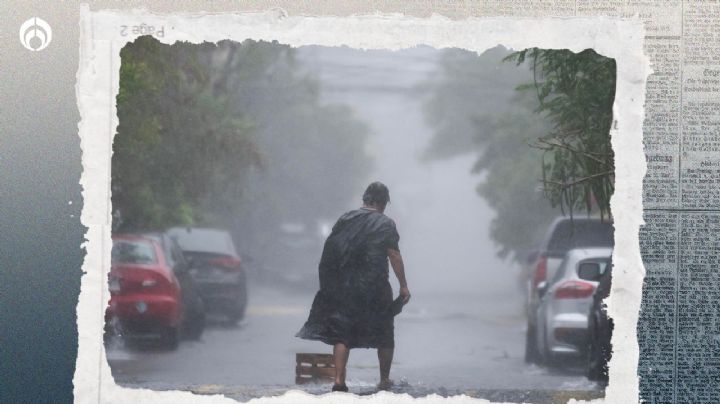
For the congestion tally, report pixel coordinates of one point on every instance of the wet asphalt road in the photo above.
(446, 344)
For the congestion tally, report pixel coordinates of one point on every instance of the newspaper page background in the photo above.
(678, 330)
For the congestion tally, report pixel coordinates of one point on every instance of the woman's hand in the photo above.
(405, 294)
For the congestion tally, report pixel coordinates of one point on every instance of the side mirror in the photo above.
(542, 288)
(589, 271)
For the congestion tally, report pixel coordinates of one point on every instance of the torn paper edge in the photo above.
(97, 87)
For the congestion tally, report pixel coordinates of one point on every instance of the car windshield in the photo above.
(581, 233)
(133, 252)
(204, 240)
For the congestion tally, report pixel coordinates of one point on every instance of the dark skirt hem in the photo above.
(350, 345)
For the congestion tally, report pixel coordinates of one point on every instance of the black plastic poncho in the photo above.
(353, 305)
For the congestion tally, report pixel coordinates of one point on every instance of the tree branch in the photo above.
(550, 145)
(579, 181)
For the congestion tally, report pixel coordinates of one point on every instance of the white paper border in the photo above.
(97, 87)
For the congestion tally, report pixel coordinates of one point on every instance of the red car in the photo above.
(145, 294)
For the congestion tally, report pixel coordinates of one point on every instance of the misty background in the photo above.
(442, 221)
(273, 144)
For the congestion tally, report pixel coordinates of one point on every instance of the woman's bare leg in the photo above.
(385, 357)
(341, 353)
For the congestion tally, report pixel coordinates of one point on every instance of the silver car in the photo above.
(562, 315)
(564, 234)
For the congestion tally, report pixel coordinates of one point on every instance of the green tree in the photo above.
(576, 92)
(313, 154)
(230, 135)
(474, 109)
(308, 148)
(543, 147)
(172, 134)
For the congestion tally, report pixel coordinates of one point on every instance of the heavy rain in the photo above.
(232, 162)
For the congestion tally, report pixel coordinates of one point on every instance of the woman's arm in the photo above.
(399, 268)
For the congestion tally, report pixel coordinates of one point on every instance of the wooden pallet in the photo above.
(313, 367)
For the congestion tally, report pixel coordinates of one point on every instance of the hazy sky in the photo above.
(442, 221)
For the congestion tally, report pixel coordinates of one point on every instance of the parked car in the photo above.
(148, 298)
(562, 317)
(193, 306)
(563, 235)
(600, 328)
(216, 268)
(295, 258)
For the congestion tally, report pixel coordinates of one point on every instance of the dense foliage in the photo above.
(576, 92)
(171, 132)
(230, 135)
(544, 146)
(474, 108)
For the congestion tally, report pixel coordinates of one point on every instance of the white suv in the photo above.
(563, 235)
(562, 316)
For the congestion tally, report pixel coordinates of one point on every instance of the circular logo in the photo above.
(35, 34)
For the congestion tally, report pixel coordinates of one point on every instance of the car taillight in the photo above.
(574, 290)
(225, 262)
(540, 271)
(148, 283)
(156, 283)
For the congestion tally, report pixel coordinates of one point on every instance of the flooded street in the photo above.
(464, 330)
(445, 344)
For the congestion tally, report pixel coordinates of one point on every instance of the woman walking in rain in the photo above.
(354, 307)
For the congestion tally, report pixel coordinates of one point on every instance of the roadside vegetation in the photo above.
(542, 149)
(228, 135)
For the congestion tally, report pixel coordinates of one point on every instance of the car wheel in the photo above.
(195, 328)
(544, 355)
(237, 313)
(531, 352)
(170, 338)
(549, 358)
(594, 369)
(595, 366)
(113, 335)
(109, 333)
(233, 318)
(194, 322)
